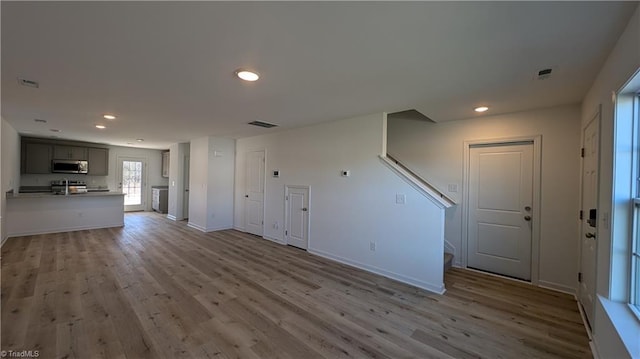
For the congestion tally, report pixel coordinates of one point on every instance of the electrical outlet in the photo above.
(276, 225)
(401, 198)
(453, 187)
(372, 246)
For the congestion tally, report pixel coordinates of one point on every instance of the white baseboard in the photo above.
(557, 287)
(65, 229)
(276, 240)
(171, 217)
(431, 287)
(209, 229)
(238, 228)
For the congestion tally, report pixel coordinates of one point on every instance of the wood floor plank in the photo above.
(156, 288)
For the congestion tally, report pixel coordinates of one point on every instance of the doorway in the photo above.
(589, 209)
(297, 216)
(254, 195)
(502, 207)
(185, 197)
(132, 182)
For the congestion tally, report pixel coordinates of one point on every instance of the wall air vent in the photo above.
(262, 124)
(29, 83)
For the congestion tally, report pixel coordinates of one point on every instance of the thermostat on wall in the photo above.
(276, 173)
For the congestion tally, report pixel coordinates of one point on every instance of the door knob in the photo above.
(246, 196)
(304, 209)
(590, 235)
(527, 218)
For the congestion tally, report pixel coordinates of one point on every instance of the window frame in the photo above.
(634, 246)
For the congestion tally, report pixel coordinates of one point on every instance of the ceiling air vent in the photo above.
(29, 83)
(544, 74)
(262, 124)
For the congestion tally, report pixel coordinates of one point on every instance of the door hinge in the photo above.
(582, 152)
(286, 233)
(579, 277)
(286, 198)
(581, 214)
(263, 223)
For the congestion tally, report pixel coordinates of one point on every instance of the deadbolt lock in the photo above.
(527, 218)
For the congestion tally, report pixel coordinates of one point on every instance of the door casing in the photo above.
(535, 230)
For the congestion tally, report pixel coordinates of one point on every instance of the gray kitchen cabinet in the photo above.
(98, 161)
(165, 164)
(36, 158)
(69, 152)
(160, 199)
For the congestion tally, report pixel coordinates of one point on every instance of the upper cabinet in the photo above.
(69, 153)
(36, 158)
(98, 161)
(37, 154)
(165, 164)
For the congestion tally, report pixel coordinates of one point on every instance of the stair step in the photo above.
(448, 261)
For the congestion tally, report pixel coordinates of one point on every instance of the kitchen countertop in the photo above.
(51, 195)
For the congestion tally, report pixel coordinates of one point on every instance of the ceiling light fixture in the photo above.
(481, 109)
(247, 75)
(54, 130)
(139, 139)
(102, 127)
(109, 117)
(40, 121)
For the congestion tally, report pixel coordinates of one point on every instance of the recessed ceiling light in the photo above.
(40, 121)
(54, 130)
(481, 109)
(102, 127)
(247, 75)
(139, 139)
(109, 117)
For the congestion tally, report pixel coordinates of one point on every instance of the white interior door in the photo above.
(185, 177)
(254, 195)
(590, 165)
(500, 209)
(132, 182)
(297, 216)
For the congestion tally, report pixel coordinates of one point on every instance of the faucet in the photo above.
(66, 186)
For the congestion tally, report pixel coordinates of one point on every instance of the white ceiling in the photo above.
(166, 68)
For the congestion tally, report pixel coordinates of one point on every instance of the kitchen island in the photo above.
(38, 213)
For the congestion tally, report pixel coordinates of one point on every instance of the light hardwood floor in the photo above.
(158, 289)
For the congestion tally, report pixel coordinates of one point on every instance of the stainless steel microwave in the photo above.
(69, 166)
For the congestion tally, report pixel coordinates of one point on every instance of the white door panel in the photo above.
(297, 216)
(254, 197)
(500, 209)
(590, 172)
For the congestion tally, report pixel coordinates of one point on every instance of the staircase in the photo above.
(448, 260)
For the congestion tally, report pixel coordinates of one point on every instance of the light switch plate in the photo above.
(401, 198)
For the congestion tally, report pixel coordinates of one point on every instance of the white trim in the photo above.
(66, 229)
(437, 288)
(434, 196)
(275, 240)
(171, 217)
(208, 229)
(537, 202)
(557, 287)
(238, 228)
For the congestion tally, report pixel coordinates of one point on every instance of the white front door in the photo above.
(254, 195)
(500, 209)
(590, 165)
(297, 216)
(185, 197)
(132, 182)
